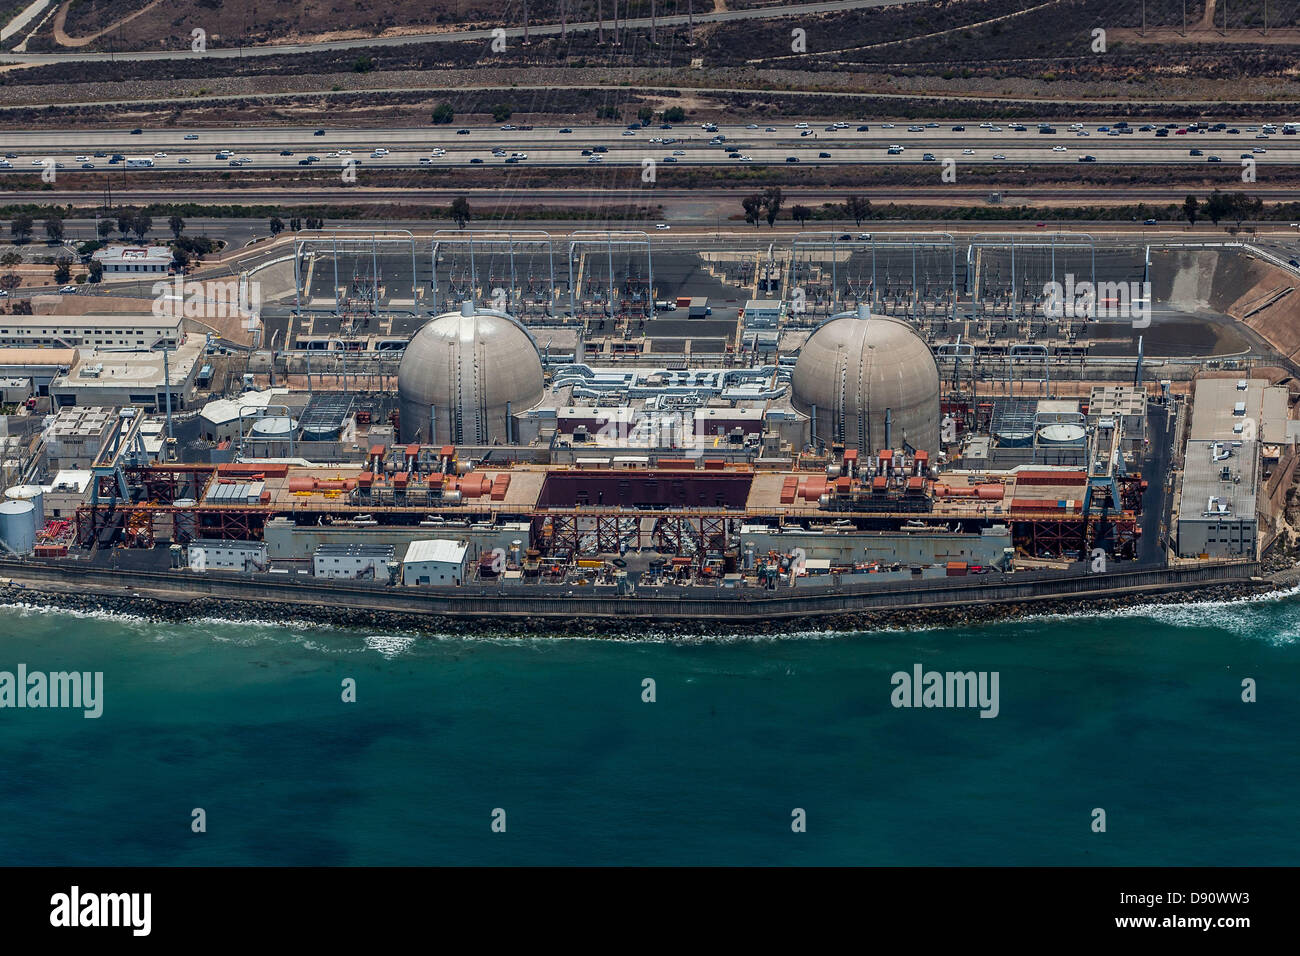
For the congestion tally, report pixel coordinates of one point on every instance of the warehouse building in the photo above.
(353, 561)
(131, 378)
(113, 330)
(434, 561)
(211, 555)
(132, 262)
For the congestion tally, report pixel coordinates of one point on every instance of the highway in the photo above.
(681, 144)
(449, 36)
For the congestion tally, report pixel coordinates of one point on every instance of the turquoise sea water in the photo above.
(1138, 713)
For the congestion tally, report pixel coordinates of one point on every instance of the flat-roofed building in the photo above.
(105, 377)
(353, 561)
(213, 555)
(131, 262)
(42, 366)
(107, 330)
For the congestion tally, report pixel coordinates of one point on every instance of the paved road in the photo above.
(453, 36)
(664, 146)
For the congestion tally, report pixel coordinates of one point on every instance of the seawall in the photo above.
(567, 610)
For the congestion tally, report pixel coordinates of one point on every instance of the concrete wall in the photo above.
(903, 548)
(286, 541)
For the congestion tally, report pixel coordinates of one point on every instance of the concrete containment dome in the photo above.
(853, 372)
(463, 374)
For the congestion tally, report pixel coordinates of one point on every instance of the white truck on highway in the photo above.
(138, 162)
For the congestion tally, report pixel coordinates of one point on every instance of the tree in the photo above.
(800, 213)
(11, 259)
(772, 200)
(141, 223)
(502, 112)
(753, 206)
(54, 227)
(1216, 206)
(63, 269)
(96, 270)
(363, 64)
(443, 113)
(125, 219)
(10, 281)
(295, 223)
(20, 227)
(674, 114)
(176, 224)
(276, 225)
(645, 114)
(460, 211)
(857, 208)
(180, 258)
(105, 228)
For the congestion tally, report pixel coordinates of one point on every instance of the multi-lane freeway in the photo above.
(785, 143)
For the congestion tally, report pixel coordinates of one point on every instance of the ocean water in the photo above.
(1137, 713)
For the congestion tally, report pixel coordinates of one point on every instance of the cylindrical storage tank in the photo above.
(33, 493)
(452, 497)
(1015, 437)
(465, 466)
(989, 492)
(832, 471)
(824, 501)
(302, 484)
(1061, 434)
(18, 525)
(278, 427)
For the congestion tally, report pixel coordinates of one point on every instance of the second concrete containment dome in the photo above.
(853, 373)
(463, 375)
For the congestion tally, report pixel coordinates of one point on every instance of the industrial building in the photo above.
(120, 378)
(211, 555)
(353, 561)
(110, 330)
(438, 561)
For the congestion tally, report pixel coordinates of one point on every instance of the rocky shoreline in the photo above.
(355, 619)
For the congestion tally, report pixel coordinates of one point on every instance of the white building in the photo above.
(763, 313)
(353, 561)
(112, 330)
(108, 377)
(68, 492)
(14, 390)
(129, 262)
(211, 555)
(434, 561)
(225, 419)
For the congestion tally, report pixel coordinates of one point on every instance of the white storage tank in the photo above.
(18, 525)
(274, 427)
(33, 493)
(1061, 434)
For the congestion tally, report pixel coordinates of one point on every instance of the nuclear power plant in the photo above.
(844, 414)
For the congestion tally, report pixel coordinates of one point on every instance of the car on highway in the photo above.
(670, 159)
(69, 290)
(191, 136)
(15, 155)
(600, 149)
(792, 159)
(286, 152)
(512, 159)
(1195, 152)
(313, 158)
(462, 132)
(426, 161)
(845, 237)
(968, 152)
(83, 159)
(1162, 132)
(236, 162)
(476, 161)
(1040, 225)
(886, 125)
(998, 156)
(832, 129)
(959, 129)
(319, 132)
(806, 132)
(864, 128)
(661, 225)
(1058, 149)
(184, 160)
(916, 129)
(771, 129)
(747, 159)
(304, 162)
(750, 126)
(928, 158)
(566, 130)
(1149, 222)
(37, 162)
(801, 126)
(1213, 159)
(5, 164)
(137, 131)
(159, 155)
(679, 152)
(628, 132)
(1246, 156)
(1087, 159)
(509, 128)
(864, 235)
(1259, 149)
(594, 159)
(823, 155)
